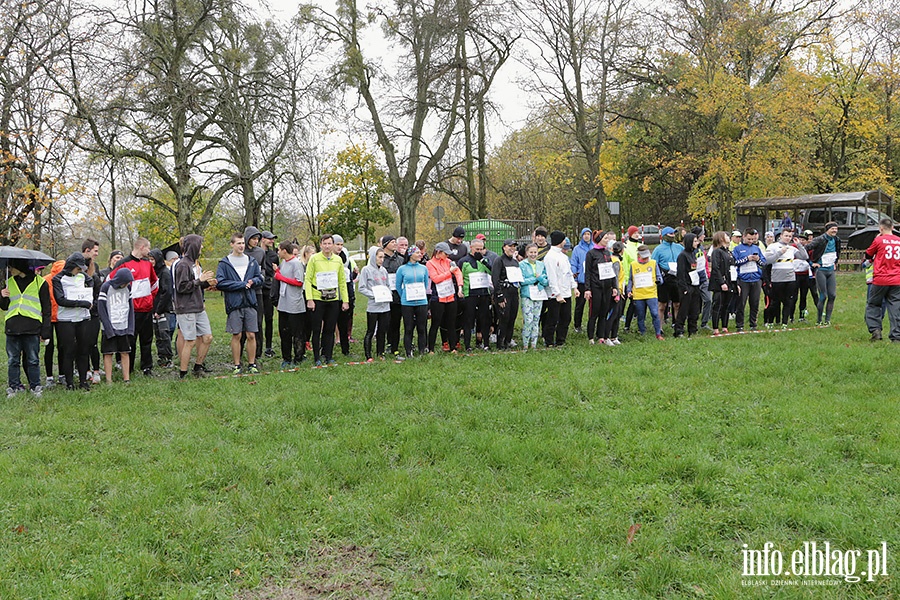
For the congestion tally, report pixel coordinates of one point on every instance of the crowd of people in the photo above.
(468, 294)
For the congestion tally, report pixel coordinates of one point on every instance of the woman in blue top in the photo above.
(534, 292)
(412, 283)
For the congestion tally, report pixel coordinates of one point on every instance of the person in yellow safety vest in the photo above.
(26, 300)
(643, 277)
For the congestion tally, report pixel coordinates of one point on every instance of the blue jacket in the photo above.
(742, 253)
(665, 253)
(412, 273)
(578, 254)
(234, 288)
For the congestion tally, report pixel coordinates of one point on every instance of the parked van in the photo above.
(848, 219)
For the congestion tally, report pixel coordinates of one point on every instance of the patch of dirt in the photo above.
(329, 572)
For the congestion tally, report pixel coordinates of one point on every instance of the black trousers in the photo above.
(751, 291)
(556, 321)
(721, 305)
(415, 318)
(292, 331)
(163, 339)
(94, 335)
(601, 302)
(689, 311)
(477, 316)
(268, 309)
(345, 324)
(75, 347)
(782, 297)
(322, 321)
(443, 317)
(615, 315)
(377, 325)
(393, 338)
(629, 314)
(507, 318)
(143, 338)
(48, 355)
(579, 306)
(805, 283)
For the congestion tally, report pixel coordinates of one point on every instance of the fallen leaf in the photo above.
(20, 529)
(631, 531)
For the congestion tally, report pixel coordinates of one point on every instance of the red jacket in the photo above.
(145, 285)
(885, 250)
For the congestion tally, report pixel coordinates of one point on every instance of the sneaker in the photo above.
(84, 387)
(286, 364)
(706, 327)
(493, 338)
(61, 380)
(609, 342)
(38, 391)
(578, 330)
(10, 392)
(593, 341)
(616, 341)
(50, 382)
(512, 343)
(715, 332)
(318, 363)
(148, 372)
(95, 378)
(827, 324)
(724, 330)
(445, 347)
(660, 337)
(804, 314)
(876, 335)
(201, 368)
(165, 364)
(269, 353)
(352, 341)
(236, 370)
(784, 326)
(253, 369)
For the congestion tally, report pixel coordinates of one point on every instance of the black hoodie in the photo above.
(687, 263)
(188, 296)
(162, 304)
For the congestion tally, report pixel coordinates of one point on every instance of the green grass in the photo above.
(502, 476)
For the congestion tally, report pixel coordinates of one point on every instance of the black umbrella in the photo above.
(33, 258)
(862, 239)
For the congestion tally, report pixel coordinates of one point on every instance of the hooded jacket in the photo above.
(579, 253)
(115, 306)
(439, 271)
(596, 256)
(535, 274)
(257, 253)
(687, 264)
(73, 293)
(237, 294)
(720, 270)
(145, 285)
(162, 304)
(54, 270)
(370, 276)
(469, 265)
(188, 289)
(666, 256)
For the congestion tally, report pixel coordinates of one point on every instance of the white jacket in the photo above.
(559, 273)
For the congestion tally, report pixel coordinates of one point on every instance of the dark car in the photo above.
(650, 234)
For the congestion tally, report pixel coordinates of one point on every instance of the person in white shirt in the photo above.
(563, 287)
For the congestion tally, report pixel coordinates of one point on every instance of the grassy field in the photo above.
(489, 476)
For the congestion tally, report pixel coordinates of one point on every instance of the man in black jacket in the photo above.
(26, 297)
(162, 306)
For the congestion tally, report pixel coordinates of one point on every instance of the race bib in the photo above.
(514, 275)
(701, 263)
(479, 281)
(643, 280)
(327, 280)
(537, 293)
(606, 270)
(382, 293)
(695, 277)
(673, 268)
(415, 291)
(445, 288)
(748, 267)
(140, 288)
(732, 271)
(392, 281)
(828, 259)
(118, 312)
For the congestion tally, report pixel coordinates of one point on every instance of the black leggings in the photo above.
(506, 317)
(415, 317)
(615, 315)
(478, 312)
(94, 334)
(74, 346)
(48, 354)
(443, 317)
(322, 322)
(377, 325)
(345, 325)
(601, 302)
(721, 304)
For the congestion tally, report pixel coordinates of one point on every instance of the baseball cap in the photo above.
(509, 242)
(667, 231)
(269, 235)
(442, 247)
(736, 233)
(459, 232)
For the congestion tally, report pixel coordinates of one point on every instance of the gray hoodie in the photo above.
(290, 297)
(258, 253)
(370, 276)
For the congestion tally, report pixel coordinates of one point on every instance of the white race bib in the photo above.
(479, 281)
(415, 291)
(118, 310)
(828, 259)
(643, 280)
(514, 275)
(606, 270)
(445, 288)
(732, 271)
(382, 293)
(748, 267)
(701, 263)
(537, 293)
(695, 277)
(327, 280)
(392, 281)
(673, 268)
(140, 288)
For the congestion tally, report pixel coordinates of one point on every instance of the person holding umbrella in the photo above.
(26, 300)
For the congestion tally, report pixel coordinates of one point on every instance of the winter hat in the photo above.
(387, 240)
(557, 238)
